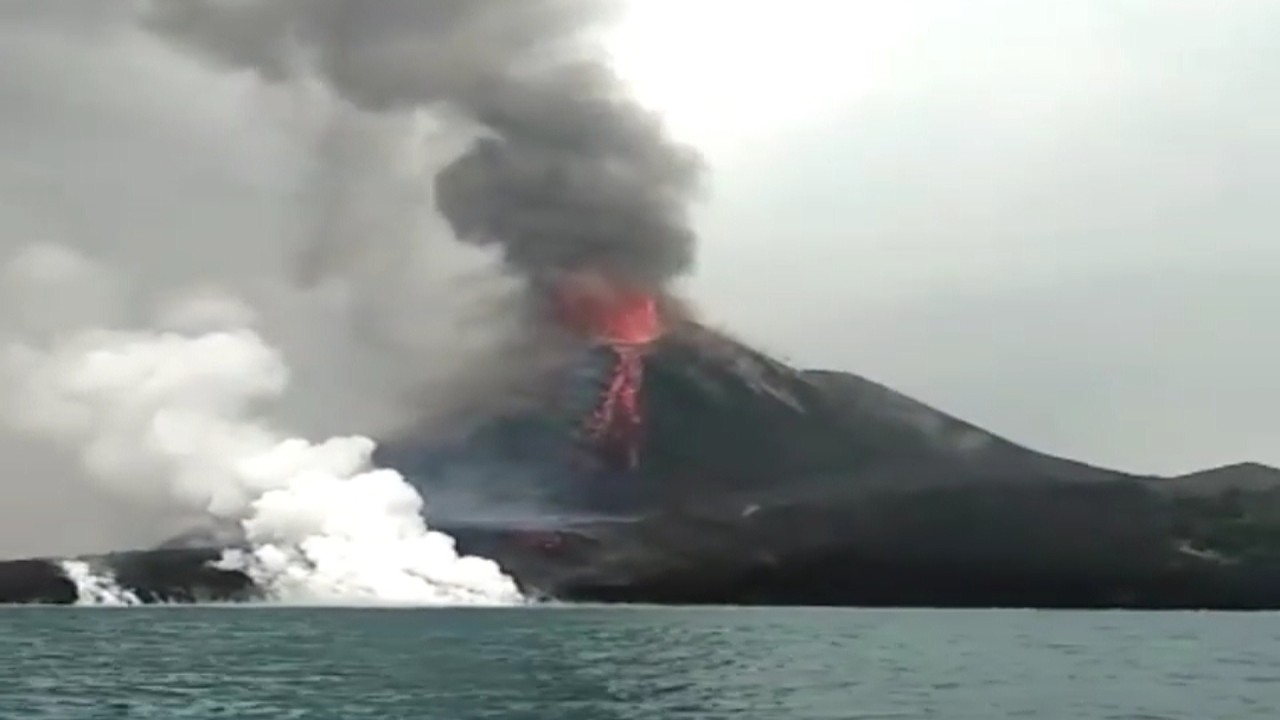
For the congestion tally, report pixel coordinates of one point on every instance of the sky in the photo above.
(1052, 220)
(1055, 220)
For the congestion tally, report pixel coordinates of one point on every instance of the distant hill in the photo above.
(1243, 477)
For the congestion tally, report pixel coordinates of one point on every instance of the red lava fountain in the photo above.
(608, 313)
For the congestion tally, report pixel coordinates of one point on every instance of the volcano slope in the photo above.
(759, 483)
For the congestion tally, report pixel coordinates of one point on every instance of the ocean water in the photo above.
(606, 663)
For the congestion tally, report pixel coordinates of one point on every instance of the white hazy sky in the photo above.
(1055, 220)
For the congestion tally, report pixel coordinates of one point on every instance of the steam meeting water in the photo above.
(623, 663)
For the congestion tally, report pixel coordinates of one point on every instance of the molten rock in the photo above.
(606, 313)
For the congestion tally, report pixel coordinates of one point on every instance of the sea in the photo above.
(602, 663)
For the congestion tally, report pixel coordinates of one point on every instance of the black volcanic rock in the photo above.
(760, 483)
(34, 581)
(167, 575)
(1240, 477)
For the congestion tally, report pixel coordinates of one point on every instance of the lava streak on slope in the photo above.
(622, 322)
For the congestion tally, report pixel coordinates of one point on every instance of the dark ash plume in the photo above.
(567, 168)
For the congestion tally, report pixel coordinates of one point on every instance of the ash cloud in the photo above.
(270, 167)
(564, 167)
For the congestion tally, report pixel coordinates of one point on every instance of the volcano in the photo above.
(760, 483)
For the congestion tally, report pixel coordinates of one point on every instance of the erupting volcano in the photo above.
(622, 322)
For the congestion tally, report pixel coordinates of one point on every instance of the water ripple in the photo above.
(634, 663)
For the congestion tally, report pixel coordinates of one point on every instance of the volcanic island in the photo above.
(683, 467)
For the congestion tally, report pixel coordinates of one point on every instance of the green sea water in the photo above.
(606, 663)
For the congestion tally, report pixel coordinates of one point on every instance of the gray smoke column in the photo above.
(564, 168)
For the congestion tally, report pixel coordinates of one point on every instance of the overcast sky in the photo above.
(1058, 225)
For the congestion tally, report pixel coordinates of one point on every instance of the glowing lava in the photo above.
(625, 320)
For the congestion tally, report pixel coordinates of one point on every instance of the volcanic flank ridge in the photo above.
(761, 483)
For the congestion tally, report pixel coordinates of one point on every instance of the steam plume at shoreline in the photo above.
(168, 419)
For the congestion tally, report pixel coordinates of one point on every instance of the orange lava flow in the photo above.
(628, 322)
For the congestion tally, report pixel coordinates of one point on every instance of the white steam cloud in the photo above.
(172, 421)
(96, 588)
(125, 209)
